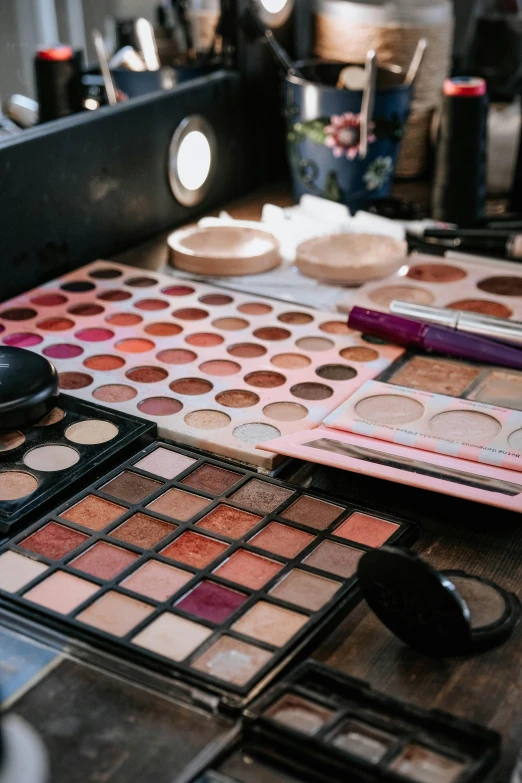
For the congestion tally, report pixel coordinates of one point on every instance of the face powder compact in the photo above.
(350, 259)
(28, 387)
(439, 613)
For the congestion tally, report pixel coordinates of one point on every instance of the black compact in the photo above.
(28, 387)
(321, 726)
(70, 444)
(439, 613)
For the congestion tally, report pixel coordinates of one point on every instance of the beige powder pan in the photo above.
(350, 258)
(223, 250)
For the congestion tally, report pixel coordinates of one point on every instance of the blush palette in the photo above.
(218, 370)
(195, 568)
(73, 440)
(320, 725)
(460, 283)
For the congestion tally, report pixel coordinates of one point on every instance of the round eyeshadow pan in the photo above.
(14, 484)
(104, 362)
(49, 459)
(160, 406)
(91, 432)
(147, 374)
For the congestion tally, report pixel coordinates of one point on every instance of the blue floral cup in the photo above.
(323, 133)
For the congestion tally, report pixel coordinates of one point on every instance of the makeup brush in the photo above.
(103, 61)
(147, 42)
(416, 62)
(368, 101)
(257, 29)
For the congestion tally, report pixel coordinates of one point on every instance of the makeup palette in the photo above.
(319, 725)
(38, 464)
(433, 422)
(194, 568)
(460, 283)
(449, 475)
(218, 370)
(497, 386)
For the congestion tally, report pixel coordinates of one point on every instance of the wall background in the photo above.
(22, 24)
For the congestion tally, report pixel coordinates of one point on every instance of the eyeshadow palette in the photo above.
(215, 369)
(433, 422)
(460, 283)
(73, 441)
(203, 571)
(492, 385)
(120, 726)
(321, 726)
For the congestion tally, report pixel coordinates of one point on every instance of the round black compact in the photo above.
(439, 613)
(28, 387)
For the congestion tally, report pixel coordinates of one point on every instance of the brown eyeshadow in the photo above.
(311, 391)
(237, 398)
(312, 512)
(144, 531)
(228, 521)
(336, 372)
(436, 273)
(147, 374)
(261, 496)
(130, 487)
(93, 513)
(191, 386)
(209, 478)
(178, 504)
(482, 306)
(502, 285)
(435, 375)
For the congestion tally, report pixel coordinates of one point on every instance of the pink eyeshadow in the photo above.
(61, 592)
(282, 540)
(365, 529)
(104, 560)
(157, 580)
(22, 339)
(63, 351)
(94, 335)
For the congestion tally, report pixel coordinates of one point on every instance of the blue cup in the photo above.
(323, 125)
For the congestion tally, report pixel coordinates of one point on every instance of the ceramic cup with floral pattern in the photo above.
(323, 133)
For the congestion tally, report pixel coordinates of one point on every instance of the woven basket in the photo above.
(338, 38)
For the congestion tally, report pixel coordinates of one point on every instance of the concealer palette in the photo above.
(65, 448)
(323, 727)
(195, 568)
(460, 283)
(215, 369)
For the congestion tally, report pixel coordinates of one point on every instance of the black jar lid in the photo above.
(28, 386)
(424, 609)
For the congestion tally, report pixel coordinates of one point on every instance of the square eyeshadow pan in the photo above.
(242, 583)
(318, 713)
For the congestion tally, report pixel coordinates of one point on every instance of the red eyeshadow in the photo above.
(104, 560)
(53, 541)
(194, 549)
